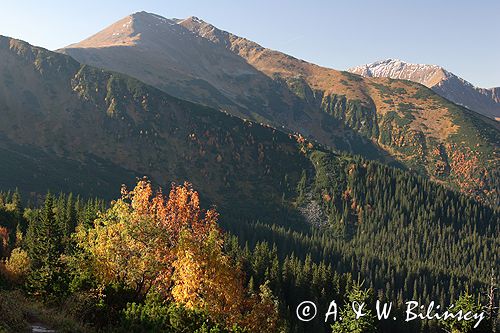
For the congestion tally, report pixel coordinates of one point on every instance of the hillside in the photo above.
(72, 121)
(166, 55)
(395, 121)
(304, 215)
(441, 81)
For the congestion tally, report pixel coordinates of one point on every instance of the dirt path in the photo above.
(39, 328)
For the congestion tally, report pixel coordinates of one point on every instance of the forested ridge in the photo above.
(404, 236)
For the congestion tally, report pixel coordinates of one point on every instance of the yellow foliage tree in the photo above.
(205, 278)
(134, 242)
(146, 240)
(17, 266)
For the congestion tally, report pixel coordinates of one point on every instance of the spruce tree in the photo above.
(45, 249)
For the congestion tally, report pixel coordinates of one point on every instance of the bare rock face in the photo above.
(447, 84)
(496, 94)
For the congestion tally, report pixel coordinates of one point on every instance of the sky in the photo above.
(460, 35)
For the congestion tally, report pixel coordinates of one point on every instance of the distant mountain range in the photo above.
(443, 82)
(395, 121)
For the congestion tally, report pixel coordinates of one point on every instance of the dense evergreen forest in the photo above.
(154, 262)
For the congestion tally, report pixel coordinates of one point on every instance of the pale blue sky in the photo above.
(460, 35)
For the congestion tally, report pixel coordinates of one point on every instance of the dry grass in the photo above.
(18, 312)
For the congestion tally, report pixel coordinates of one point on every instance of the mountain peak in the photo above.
(195, 19)
(150, 17)
(443, 82)
(128, 31)
(395, 61)
(428, 75)
(193, 22)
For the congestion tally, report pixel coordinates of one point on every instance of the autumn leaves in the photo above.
(167, 245)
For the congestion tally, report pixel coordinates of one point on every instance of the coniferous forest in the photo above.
(154, 261)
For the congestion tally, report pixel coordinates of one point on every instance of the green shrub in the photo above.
(157, 316)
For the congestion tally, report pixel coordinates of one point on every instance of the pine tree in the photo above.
(348, 322)
(45, 249)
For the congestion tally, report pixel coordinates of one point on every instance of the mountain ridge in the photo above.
(443, 82)
(395, 121)
(193, 68)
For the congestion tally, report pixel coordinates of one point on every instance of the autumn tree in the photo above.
(134, 241)
(17, 266)
(4, 242)
(205, 278)
(263, 311)
(147, 241)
